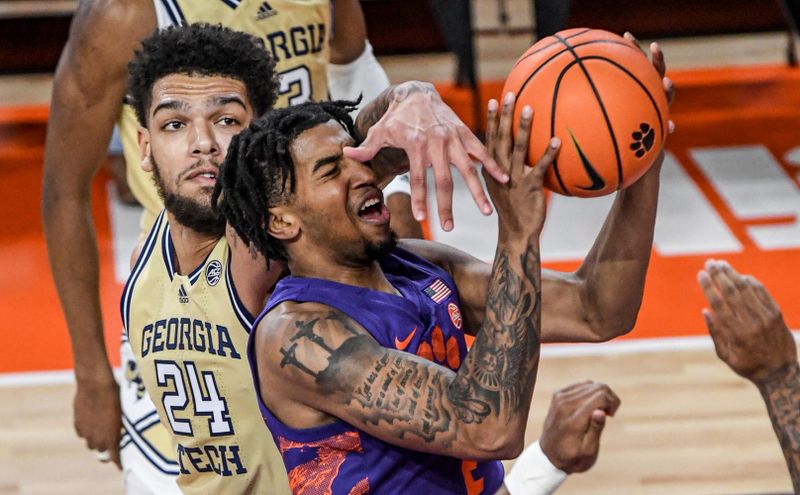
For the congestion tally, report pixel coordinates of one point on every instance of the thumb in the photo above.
(366, 150)
(596, 424)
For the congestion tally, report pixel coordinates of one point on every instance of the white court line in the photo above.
(39, 378)
(621, 347)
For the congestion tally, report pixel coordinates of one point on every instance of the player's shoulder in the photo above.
(290, 320)
(287, 315)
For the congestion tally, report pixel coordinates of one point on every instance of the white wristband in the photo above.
(534, 474)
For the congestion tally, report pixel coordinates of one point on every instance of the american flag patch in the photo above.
(437, 291)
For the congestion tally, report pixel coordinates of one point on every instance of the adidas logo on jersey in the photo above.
(183, 298)
(265, 11)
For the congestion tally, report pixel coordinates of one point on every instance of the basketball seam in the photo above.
(548, 46)
(583, 43)
(579, 61)
(641, 85)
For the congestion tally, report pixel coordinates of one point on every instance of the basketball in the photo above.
(602, 97)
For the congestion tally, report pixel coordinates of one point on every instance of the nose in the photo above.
(361, 174)
(204, 140)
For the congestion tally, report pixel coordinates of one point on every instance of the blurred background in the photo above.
(729, 190)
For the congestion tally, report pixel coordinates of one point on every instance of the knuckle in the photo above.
(444, 183)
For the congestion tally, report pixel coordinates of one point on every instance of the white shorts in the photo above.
(148, 459)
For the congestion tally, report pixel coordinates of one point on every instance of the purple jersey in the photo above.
(338, 458)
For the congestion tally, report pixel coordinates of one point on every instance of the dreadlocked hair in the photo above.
(202, 49)
(258, 172)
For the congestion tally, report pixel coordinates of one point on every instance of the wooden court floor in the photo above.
(687, 424)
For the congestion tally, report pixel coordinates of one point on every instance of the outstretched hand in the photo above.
(745, 323)
(521, 203)
(431, 134)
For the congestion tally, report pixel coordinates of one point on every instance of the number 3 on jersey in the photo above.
(208, 403)
(296, 85)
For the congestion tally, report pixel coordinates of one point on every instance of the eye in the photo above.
(172, 125)
(331, 171)
(228, 121)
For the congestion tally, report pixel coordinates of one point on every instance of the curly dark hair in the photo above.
(206, 50)
(259, 173)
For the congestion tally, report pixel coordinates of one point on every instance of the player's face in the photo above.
(337, 199)
(191, 121)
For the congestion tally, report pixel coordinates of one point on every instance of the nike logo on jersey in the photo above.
(597, 181)
(402, 344)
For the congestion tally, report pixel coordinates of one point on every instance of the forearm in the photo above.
(72, 250)
(613, 274)
(781, 393)
(500, 369)
(349, 31)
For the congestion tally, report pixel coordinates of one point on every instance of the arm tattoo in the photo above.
(417, 398)
(781, 393)
(501, 366)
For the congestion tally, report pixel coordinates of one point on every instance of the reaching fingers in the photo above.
(521, 141)
(657, 58)
(469, 172)
(725, 279)
(504, 131)
(443, 179)
(712, 296)
(669, 89)
(491, 126)
(544, 163)
(417, 174)
(630, 37)
(474, 148)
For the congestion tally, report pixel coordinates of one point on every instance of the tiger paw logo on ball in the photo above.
(643, 139)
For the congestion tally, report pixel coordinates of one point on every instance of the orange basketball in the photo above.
(602, 97)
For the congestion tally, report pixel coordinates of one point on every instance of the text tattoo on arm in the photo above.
(781, 393)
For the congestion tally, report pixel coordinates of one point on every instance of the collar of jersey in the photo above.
(168, 250)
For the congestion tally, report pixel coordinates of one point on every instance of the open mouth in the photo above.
(373, 210)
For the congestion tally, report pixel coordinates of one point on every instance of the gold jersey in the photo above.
(189, 335)
(296, 32)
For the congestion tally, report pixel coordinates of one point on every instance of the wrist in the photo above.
(94, 375)
(787, 374)
(534, 473)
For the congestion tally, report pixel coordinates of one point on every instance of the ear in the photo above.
(143, 137)
(282, 223)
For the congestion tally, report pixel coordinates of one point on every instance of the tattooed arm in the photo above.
(416, 129)
(752, 338)
(597, 302)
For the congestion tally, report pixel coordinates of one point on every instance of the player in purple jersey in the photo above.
(351, 407)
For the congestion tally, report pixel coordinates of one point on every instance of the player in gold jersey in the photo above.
(181, 308)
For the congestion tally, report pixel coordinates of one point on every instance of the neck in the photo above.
(369, 276)
(191, 247)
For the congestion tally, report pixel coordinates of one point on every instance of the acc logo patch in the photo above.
(455, 315)
(213, 272)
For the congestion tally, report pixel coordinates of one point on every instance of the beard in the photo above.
(189, 212)
(376, 250)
